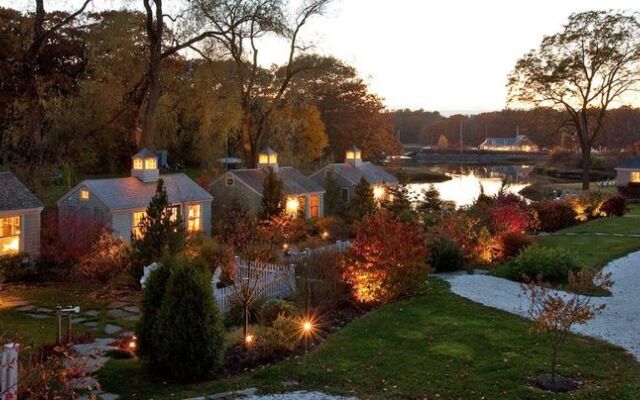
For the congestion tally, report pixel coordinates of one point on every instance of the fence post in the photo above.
(9, 372)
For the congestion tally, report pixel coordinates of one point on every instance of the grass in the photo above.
(592, 251)
(435, 345)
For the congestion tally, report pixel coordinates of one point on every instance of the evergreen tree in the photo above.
(272, 196)
(363, 202)
(431, 206)
(189, 334)
(152, 296)
(160, 233)
(333, 195)
(400, 203)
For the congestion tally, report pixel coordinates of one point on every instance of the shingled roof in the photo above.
(293, 181)
(130, 192)
(14, 195)
(631, 163)
(348, 174)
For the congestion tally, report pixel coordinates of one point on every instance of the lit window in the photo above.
(9, 235)
(292, 206)
(314, 206)
(150, 163)
(635, 176)
(84, 194)
(194, 217)
(273, 159)
(137, 163)
(263, 159)
(137, 222)
(351, 155)
(378, 192)
(175, 212)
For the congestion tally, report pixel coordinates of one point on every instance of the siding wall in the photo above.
(92, 208)
(31, 233)
(219, 189)
(623, 176)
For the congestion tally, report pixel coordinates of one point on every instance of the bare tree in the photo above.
(585, 69)
(31, 66)
(260, 93)
(555, 314)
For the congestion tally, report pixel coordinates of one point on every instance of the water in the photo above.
(464, 186)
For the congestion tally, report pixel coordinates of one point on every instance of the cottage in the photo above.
(120, 203)
(628, 172)
(19, 218)
(517, 143)
(349, 173)
(303, 195)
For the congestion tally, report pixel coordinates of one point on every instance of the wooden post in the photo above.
(9, 372)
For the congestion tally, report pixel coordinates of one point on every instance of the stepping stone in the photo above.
(108, 396)
(90, 324)
(43, 310)
(85, 383)
(25, 308)
(92, 313)
(132, 309)
(134, 318)
(111, 329)
(117, 304)
(117, 313)
(38, 316)
(78, 320)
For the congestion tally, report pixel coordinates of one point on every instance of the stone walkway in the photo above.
(618, 324)
(250, 394)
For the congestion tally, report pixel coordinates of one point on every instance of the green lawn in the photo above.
(435, 345)
(592, 251)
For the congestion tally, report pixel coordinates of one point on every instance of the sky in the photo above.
(446, 55)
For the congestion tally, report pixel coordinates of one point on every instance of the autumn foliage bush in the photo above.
(386, 259)
(514, 242)
(555, 215)
(106, 259)
(615, 206)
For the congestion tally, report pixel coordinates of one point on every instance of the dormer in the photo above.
(268, 159)
(145, 166)
(353, 156)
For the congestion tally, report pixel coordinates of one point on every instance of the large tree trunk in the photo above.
(36, 109)
(586, 166)
(247, 145)
(155, 29)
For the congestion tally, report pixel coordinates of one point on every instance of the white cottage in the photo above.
(628, 172)
(20, 213)
(120, 203)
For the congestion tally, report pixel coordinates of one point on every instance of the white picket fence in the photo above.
(271, 281)
(338, 247)
(9, 371)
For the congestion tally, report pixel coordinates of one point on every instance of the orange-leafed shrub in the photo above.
(615, 206)
(386, 259)
(514, 242)
(555, 215)
(107, 258)
(507, 219)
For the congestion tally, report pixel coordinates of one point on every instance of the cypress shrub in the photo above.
(188, 335)
(151, 301)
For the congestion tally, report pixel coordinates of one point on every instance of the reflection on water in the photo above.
(464, 186)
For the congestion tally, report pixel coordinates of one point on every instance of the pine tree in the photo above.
(160, 233)
(430, 207)
(363, 202)
(333, 195)
(400, 203)
(272, 196)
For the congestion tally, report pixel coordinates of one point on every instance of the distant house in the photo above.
(120, 203)
(303, 195)
(349, 173)
(517, 143)
(19, 217)
(628, 172)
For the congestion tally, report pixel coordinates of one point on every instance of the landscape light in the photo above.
(292, 205)
(378, 192)
(307, 326)
(248, 339)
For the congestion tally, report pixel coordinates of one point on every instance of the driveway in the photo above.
(619, 323)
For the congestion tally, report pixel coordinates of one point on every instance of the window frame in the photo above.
(85, 195)
(314, 209)
(194, 219)
(634, 177)
(135, 227)
(14, 235)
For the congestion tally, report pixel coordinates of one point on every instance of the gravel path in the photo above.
(618, 324)
(300, 395)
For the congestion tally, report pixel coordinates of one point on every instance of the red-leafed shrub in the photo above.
(107, 258)
(513, 243)
(615, 206)
(386, 259)
(555, 215)
(507, 219)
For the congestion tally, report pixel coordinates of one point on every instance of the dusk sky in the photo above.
(445, 55)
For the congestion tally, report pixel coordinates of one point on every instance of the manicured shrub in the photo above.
(386, 259)
(507, 219)
(615, 206)
(279, 339)
(272, 309)
(513, 243)
(445, 255)
(188, 332)
(108, 257)
(549, 263)
(16, 268)
(152, 296)
(555, 215)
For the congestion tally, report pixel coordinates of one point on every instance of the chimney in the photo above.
(268, 159)
(145, 166)
(353, 156)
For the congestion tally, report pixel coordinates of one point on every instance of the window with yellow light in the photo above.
(378, 192)
(9, 235)
(292, 206)
(84, 194)
(635, 176)
(194, 218)
(137, 222)
(138, 163)
(150, 163)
